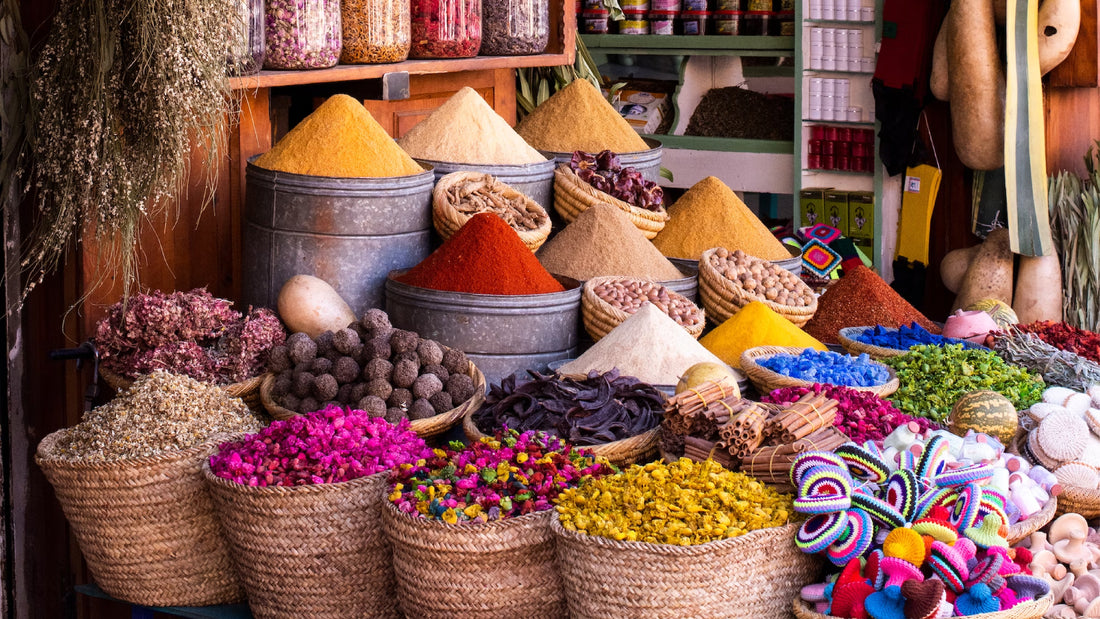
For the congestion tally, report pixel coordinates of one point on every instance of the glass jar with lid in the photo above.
(302, 34)
(245, 54)
(514, 27)
(445, 28)
(374, 31)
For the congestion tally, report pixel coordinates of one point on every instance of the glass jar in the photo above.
(694, 5)
(694, 22)
(246, 38)
(445, 28)
(302, 34)
(754, 23)
(727, 22)
(594, 21)
(634, 22)
(514, 27)
(662, 22)
(665, 5)
(375, 31)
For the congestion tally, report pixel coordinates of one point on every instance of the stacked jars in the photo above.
(302, 34)
(514, 27)
(375, 31)
(445, 28)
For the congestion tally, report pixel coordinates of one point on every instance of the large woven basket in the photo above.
(767, 381)
(848, 335)
(1078, 500)
(247, 390)
(600, 317)
(722, 297)
(504, 568)
(146, 526)
(750, 577)
(572, 196)
(309, 551)
(1038, 520)
(638, 448)
(428, 427)
(1033, 609)
(447, 219)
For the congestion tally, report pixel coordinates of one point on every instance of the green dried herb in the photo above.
(1057, 367)
(1074, 220)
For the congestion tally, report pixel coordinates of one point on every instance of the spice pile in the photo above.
(160, 412)
(328, 446)
(484, 257)
(598, 409)
(603, 241)
(466, 130)
(648, 345)
(828, 367)
(859, 299)
(905, 337)
(629, 295)
(372, 367)
(604, 171)
(191, 333)
(711, 215)
(933, 378)
(1066, 337)
(755, 325)
(505, 476)
(761, 278)
(475, 193)
(682, 503)
(577, 117)
(339, 139)
(861, 415)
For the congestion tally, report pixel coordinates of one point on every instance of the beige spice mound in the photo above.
(577, 117)
(466, 130)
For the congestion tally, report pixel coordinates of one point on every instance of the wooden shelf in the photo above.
(351, 72)
(840, 22)
(850, 123)
(725, 145)
(709, 45)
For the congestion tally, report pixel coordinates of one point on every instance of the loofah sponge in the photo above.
(1062, 436)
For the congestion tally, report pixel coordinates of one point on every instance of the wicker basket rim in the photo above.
(707, 270)
(44, 455)
(1038, 520)
(444, 183)
(848, 338)
(118, 381)
(1023, 609)
(761, 352)
(478, 527)
(619, 314)
(659, 216)
(336, 486)
(671, 549)
(628, 444)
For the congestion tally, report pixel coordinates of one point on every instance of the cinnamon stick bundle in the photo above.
(809, 414)
(700, 449)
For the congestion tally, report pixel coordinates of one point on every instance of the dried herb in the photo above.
(736, 112)
(121, 94)
(598, 409)
(1074, 219)
(604, 172)
(1057, 367)
(514, 27)
(1066, 337)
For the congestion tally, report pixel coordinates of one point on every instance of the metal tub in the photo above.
(350, 232)
(535, 180)
(689, 284)
(647, 162)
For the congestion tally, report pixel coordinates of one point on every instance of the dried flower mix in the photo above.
(374, 31)
(861, 415)
(577, 117)
(682, 503)
(445, 28)
(598, 409)
(514, 28)
(605, 172)
(159, 412)
(328, 446)
(499, 477)
(191, 333)
(302, 34)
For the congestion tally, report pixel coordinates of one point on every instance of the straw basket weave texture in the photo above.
(1038, 520)
(1078, 500)
(572, 196)
(624, 452)
(723, 297)
(767, 381)
(247, 390)
(749, 577)
(425, 428)
(146, 526)
(1033, 609)
(600, 317)
(447, 219)
(848, 335)
(508, 568)
(309, 551)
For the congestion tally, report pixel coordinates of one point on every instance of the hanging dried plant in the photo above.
(120, 94)
(1074, 220)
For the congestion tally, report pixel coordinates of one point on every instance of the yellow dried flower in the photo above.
(682, 503)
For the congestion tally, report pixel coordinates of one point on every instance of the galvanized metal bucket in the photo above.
(647, 162)
(792, 264)
(499, 333)
(535, 180)
(689, 284)
(350, 232)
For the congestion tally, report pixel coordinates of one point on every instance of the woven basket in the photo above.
(767, 381)
(247, 390)
(1033, 609)
(751, 576)
(624, 452)
(309, 551)
(1038, 520)
(848, 335)
(504, 568)
(1078, 500)
(600, 317)
(572, 196)
(722, 297)
(447, 219)
(428, 427)
(146, 526)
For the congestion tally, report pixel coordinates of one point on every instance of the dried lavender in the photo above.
(160, 412)
(191, 333)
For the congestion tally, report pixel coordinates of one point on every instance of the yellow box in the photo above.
(836, 210)
(811, 203)
(861, 215)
